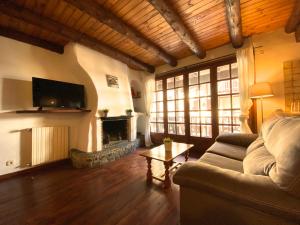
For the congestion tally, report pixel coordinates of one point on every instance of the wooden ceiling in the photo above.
(204, 19)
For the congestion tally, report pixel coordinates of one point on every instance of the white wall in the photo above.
(276, 48)
(136, 79)
(19, 62)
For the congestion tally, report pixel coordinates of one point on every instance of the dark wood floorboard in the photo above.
(114, 194)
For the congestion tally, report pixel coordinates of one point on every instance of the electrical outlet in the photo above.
(9, 163)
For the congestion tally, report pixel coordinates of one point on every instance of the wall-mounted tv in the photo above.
(57, 94)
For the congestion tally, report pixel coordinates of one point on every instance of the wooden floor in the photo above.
(115, 193)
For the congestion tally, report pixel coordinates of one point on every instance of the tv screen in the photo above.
(57, 94)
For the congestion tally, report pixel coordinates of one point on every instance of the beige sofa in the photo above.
(244, 179)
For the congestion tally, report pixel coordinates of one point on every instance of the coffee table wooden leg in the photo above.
(167, 182)
(149, 171)
(186, 156)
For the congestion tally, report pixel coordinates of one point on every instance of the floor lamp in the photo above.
(261, 91)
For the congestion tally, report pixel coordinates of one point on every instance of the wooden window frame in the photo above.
(212, 66)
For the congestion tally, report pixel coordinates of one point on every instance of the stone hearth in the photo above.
(112, 151)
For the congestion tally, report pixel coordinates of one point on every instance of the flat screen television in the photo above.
(57, 94)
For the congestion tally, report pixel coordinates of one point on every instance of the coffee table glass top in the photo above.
(160, 154)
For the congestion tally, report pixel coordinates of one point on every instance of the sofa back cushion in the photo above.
(258, 161)
(283, 143)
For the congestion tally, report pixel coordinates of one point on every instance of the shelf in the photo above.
(55, 111)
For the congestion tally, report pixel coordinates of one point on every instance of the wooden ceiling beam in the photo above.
(294, 19)
(104, 16)
(28, 16)
(177, 24)
(19, 36)
(234, 22)
(297, 33)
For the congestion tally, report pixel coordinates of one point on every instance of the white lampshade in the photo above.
(261, 90)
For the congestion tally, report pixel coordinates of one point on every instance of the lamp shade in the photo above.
(260, 90)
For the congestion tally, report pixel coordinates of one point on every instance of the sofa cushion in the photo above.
(259, 142)
(270, 122)
(228, 150)
(258, 161)
(240, 139)
(221, 161)
(283, 142)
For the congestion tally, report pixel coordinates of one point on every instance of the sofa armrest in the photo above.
(258, 192)
(237, 139)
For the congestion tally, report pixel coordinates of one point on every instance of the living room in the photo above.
(97, 97)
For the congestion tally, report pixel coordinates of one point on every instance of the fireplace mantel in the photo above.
(112, 118)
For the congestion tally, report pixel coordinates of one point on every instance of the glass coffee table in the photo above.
(167, 157)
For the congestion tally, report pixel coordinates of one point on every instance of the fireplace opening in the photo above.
(114, 130)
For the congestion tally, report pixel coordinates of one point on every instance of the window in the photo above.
(228, 98)
(157, 109)
(175, 105)
(200, 102)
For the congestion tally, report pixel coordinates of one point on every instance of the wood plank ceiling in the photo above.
(204, 19)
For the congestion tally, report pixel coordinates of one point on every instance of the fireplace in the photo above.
(115, 129)
(115, 135)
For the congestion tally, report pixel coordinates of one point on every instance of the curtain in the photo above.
(246, 71)
(149, 82)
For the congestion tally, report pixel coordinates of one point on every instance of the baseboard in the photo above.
(34, 169)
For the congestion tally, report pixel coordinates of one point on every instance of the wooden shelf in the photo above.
(55, 111)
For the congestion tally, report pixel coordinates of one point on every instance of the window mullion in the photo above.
(214, 101)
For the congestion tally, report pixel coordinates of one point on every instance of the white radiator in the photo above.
(49, 144)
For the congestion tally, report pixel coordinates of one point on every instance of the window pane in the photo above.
(160, 106)
(236, 116)
(234, 70)
(171, 94)
(235, 101)
(205, 104)
(171, 117)
(195, 117)
(194, 104)
(224, 102)
(159, 86)
(171, 129)
(153, 127)
(179, 81)
(180, 129)
(180, 117)
(195, 130)
(160, 117)
(159, 96)
(224, 116)
(236, 129)
(160, 128)
(223, 87)
(235, 85)
(194, 91)
(171, 106)
(179, 92)
(223, 72)
(204, 90)
(193, 78)
(206, 131)
(179, 105)
(170, 83)
(205, 117)
(224, 129)
(153, 107)
(153, 117)
(204, 76)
